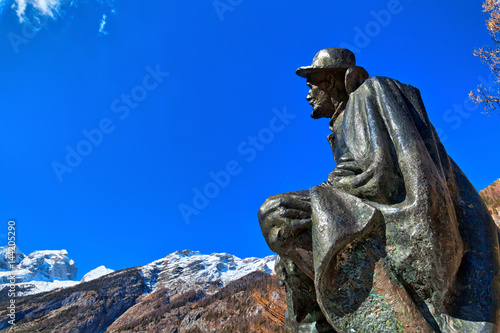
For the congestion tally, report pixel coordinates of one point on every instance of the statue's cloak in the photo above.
(398, 217)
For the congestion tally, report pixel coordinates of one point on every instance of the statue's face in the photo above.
(322, 104)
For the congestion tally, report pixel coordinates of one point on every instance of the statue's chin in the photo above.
(318, 115)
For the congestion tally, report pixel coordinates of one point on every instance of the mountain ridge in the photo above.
(176, 283)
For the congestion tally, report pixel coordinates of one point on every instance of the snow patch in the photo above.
(36, 287)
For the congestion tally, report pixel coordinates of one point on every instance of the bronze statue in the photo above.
(397, 239)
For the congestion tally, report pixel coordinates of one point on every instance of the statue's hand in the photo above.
(284, 218)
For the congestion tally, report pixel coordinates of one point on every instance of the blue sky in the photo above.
(163, 100)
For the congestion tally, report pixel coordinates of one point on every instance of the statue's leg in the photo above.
(285, 221)
(303, 313)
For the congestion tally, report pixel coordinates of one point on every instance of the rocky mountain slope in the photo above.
(491, 196)
(254, 303)
(183, 292)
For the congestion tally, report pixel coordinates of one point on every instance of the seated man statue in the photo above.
(397, 239)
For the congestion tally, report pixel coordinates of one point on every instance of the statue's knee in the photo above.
(267, 213)
(283, 219)
(269, 204)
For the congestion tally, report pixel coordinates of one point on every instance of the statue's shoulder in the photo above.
(382, 92)
(375, 82)
(383, 82)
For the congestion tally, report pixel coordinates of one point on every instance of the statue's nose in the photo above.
(309, 96)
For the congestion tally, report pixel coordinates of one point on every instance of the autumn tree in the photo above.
(487, 96)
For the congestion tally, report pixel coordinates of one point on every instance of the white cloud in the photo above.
(47, 8)
(39, 11)
(102, 25)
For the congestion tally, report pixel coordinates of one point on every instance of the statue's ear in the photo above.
(354, 77)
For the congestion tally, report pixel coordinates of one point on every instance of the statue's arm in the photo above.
(368, 167)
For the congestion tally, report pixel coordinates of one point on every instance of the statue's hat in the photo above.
(331, 58)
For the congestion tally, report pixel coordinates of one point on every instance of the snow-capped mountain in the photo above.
(184, 291)
(167, 289)
(41, 271)
(38, 266)
(96, 273)
(47, 265)
(182, 270)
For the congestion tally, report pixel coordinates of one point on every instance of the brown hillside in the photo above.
(491, 197)
(117, 303)
(255, 303)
